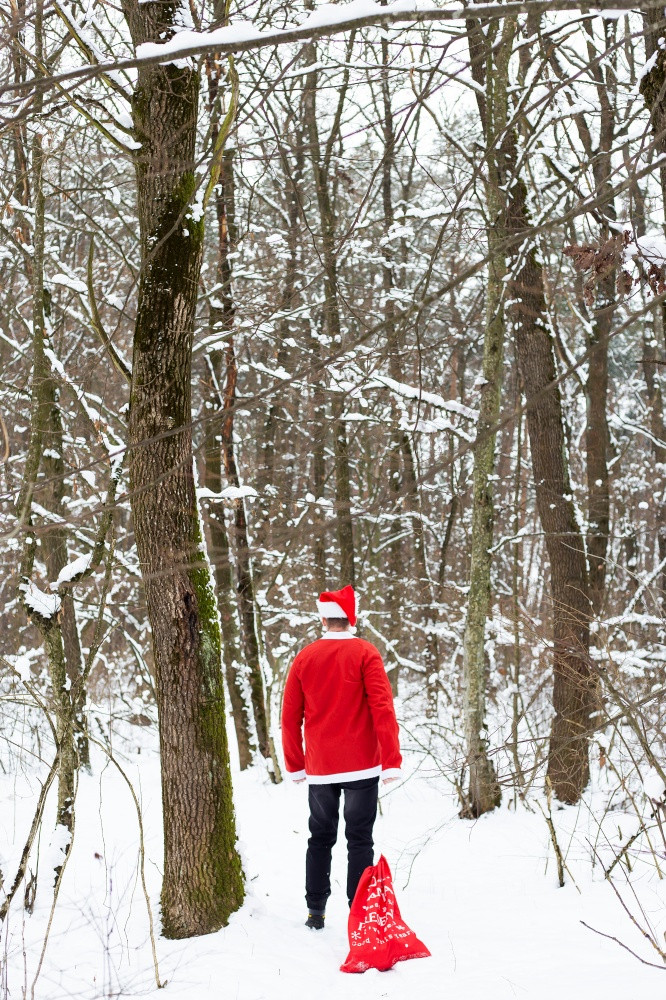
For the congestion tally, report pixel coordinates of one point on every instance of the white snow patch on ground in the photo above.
(482, 895)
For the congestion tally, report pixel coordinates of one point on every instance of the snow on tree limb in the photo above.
(326, 21)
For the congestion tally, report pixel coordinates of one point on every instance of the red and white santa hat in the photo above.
(338, 604)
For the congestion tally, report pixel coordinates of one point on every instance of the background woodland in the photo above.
(380, 305)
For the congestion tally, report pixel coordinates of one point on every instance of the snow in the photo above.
(646, 68)
(653, 784)
(115, 448)
(56, 850)
(482, 895)
(21, 664)
(652, 246)
(73, 283)
(326, 15)
(46, 605)
(74, 569)
(229, 493)
(411, 392)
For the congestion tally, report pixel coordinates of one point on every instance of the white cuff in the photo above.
(391, 772)
(296, 775)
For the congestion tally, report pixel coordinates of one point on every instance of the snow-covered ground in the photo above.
(482, 895)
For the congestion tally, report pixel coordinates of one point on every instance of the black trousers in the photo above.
(360, 810)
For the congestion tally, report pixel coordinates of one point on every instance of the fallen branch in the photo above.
(653, 965)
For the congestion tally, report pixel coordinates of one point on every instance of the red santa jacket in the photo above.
(338, 691)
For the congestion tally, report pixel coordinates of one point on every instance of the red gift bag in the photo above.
(378, 938)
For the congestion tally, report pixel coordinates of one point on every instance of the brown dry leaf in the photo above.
(583, 255)
(624, 283)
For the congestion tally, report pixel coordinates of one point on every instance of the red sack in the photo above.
(378, 938)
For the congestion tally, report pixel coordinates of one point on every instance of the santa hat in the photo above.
(338, 604)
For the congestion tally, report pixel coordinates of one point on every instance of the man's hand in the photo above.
(387, 781)
(299, 781)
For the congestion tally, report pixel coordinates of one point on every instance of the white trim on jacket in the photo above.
(328, 779)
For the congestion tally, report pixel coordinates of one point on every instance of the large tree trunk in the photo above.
(568, 768)
(597, 434)
(203, 881)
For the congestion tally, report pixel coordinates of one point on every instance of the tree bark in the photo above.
(653, 89)
(203, 881)
(227, 238)
(484, 791)
(320, 168)
(42, 419)
(574, 681)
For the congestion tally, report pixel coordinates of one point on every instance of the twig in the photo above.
(56, 893)
(610, 937)
(36, 820)
(142, 857)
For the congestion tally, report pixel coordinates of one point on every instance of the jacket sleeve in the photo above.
(380, 700)
(293, 706)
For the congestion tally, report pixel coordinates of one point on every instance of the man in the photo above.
(338, 687)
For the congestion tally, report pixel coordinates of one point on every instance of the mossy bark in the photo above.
(221, 321)
(203, 880)
(221, 559)
(484, 791)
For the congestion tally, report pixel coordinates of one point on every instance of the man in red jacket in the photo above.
(337, 686)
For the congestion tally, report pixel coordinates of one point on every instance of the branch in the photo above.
(610, 937)
(245, 38)
(97, 325)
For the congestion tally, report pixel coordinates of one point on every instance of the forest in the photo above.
(301, 295)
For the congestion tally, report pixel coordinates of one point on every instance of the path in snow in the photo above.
(483, 896)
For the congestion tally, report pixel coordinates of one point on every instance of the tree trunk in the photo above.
(653, 89)
(225, 206)
(597, 434)
(274, 482)
(203, 881)
(320, 168)
(597, 442)
(484, 792)
(221, 321)
(574, 685)
(41, 424)
(221, 560)
(394, 583)
(54, 550)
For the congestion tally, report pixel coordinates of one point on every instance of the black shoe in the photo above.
(315, 921)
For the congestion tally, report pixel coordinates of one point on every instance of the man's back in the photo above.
(338, 688)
